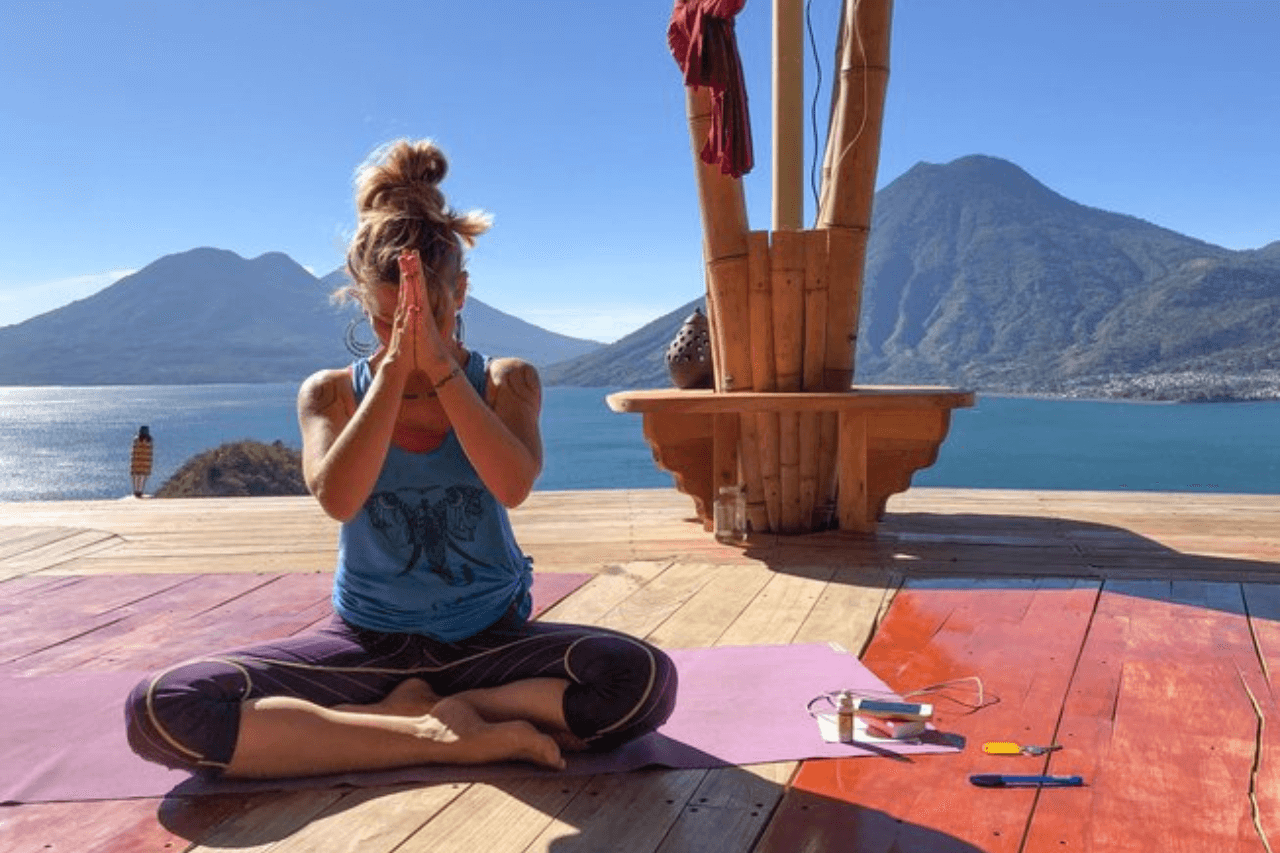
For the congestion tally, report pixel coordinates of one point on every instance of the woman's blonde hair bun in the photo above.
(400, 206)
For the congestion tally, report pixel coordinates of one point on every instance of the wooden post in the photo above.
(853, 473)
(788, 115)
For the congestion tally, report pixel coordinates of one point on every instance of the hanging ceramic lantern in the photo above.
(689, 355)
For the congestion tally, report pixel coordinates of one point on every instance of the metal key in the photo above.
(1008, 748)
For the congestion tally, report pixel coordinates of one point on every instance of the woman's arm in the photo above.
(500, 435)
(345, 445)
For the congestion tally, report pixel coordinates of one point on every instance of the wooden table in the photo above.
(793, 450)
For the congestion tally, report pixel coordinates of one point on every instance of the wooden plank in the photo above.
(20, 540)
(112, 826)
(728, 810)
(776, 612)
(604, 592)
(260, 827)
(630, 812)
(19, 593)
(503, 817)
(205, 616)
(53, 554)
(1160, 724)
(369, 820)
(651, 605)
(849, 609)
(59, 615)
(1022, 639)
(700, 621)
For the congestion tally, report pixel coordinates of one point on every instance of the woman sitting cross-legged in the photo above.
(418, 450)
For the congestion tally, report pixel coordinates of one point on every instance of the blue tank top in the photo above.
(431, 551)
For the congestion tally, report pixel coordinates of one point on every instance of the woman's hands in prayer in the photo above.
(417, 349)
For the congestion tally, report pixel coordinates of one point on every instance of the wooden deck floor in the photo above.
(1101, 619)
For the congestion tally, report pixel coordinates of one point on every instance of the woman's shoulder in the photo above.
(515, 377)
(323, 388)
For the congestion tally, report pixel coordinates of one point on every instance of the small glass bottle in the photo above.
(730, 515)
(844, 717)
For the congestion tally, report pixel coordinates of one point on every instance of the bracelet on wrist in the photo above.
(457, 371)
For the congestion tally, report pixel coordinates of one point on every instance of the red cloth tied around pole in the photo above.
(703, 43)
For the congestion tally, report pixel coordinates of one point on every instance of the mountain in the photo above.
(635, 361)
(209, 315)
(980, 276)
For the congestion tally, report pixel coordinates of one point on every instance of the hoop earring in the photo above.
(355, 346)
(457, 328)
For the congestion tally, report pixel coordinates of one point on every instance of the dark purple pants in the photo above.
(188, 716)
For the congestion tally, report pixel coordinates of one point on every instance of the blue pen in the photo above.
(1002, 780)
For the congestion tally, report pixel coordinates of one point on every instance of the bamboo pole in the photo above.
(786, 257)
(845, 252)
(760, 431)
(815, 310)
(788, 276)
(724, 237)
(815, 344)
(727, 287)
(788, 115)
(829, 151)
(824, 511)
(849, 186)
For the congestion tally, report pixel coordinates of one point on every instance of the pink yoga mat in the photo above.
(64, 734)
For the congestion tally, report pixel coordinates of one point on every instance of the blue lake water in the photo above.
(72, 442)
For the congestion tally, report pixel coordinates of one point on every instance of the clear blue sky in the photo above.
(131, 130)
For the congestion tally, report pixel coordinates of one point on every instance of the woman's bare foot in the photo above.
(569, 742)
(455, 722)
(412, 697)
